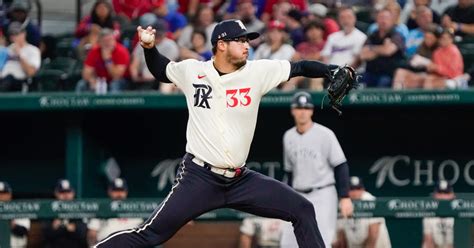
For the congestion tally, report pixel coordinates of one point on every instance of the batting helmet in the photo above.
(302, 99)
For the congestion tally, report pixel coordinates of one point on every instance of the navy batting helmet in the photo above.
(302, 99)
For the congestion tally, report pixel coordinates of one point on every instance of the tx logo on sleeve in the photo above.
(202, 94)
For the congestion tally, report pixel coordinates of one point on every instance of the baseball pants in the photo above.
(197, 190)
(326, 216)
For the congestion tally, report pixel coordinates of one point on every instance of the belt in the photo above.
(229, 173)
(307, 191)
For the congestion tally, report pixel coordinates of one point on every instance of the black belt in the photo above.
(307, 191)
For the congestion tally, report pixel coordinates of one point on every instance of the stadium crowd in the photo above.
(399, 44)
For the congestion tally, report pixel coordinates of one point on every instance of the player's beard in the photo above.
(237, 62)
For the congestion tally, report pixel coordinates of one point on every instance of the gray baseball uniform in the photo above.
(311, 157)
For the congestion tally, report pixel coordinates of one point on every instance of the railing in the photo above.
(398, 208)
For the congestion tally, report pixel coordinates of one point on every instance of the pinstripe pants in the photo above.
(197, 190)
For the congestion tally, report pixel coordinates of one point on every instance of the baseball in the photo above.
(147, 37)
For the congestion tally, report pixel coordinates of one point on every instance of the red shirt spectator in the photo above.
(120, 56)
(101, 15)
(131, 9)
(449, 68)
(299, 4)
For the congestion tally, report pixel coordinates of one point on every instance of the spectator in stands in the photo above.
(343, 47)
(87, 32)
(231, 9)
(460, 18)
(270, 5)
(276, 47)
(108, 59)
(101, 228)
(310, 49)
(276, 43)
(295, 27)
(198, 50)
(361, 232)
(447, 66)
(413, 74)
(438, 232)
(409, 13)
(204, 20)
(19, 227)
(246, 12)
(60, 233)
(319, 12)
(19, 12)
(23, 60)
(129, 10)
(141, 76)
(189, 8)
(424, 19)
(395, 10)
(260, 232)
(383, 52)
(176, 21)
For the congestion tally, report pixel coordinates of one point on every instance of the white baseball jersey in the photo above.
(356, 230)
(312, 156)
(267, 231)
(20, 242)
(223, 109)
(105, 227)
(440, 229)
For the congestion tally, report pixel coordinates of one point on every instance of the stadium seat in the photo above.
(467, 51)
(58, 71)
(50, 80)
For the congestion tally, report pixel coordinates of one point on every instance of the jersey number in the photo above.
(242, 98)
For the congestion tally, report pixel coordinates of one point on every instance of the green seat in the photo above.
(50, 80)
(467, 51)
(64, 47)
(64, 64)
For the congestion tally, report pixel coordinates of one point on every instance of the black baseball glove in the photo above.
(341, 81)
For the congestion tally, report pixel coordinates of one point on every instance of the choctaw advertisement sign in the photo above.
(384, 173)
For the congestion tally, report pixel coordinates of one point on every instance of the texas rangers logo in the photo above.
(201, 95)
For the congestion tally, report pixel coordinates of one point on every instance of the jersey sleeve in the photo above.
(176, 71)
(248, 227)
(287, 165)
(274, 72)
(336, 155)
(26, 223)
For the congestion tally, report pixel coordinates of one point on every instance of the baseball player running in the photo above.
(317, 168)
(222, 97)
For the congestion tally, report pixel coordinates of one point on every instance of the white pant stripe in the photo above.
(179, 177)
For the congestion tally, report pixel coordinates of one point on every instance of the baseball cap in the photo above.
(63, 185)
(318, 9)
(443, 186)
(5, 187)
(302, 99)
(118, 184)
(231, 29)
(356, 183)
(275, 24)
(22, 5)
(15, 28)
